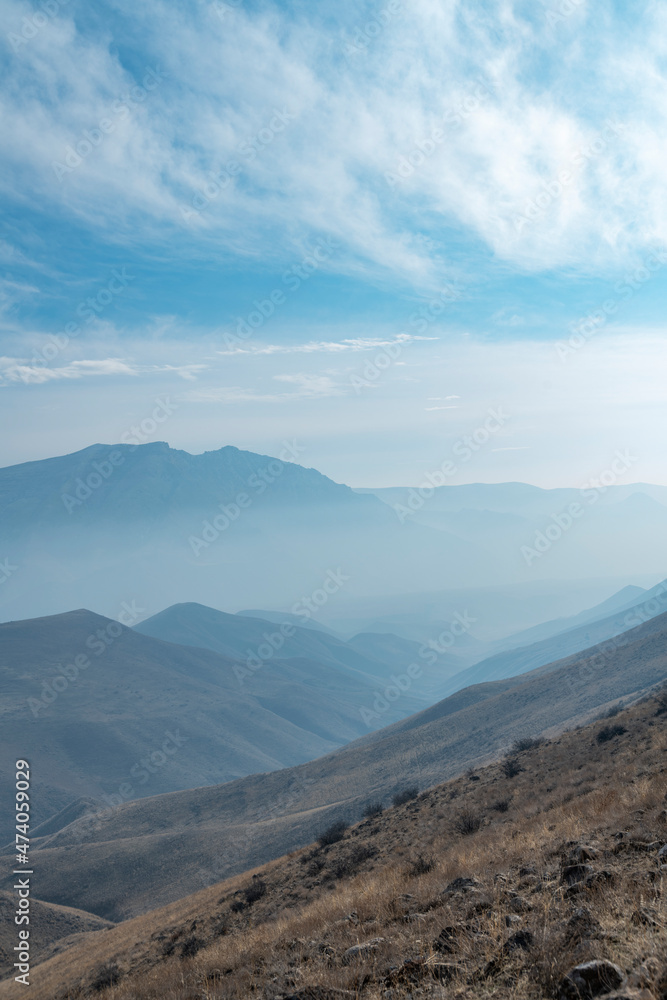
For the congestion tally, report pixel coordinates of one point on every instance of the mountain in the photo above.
(523, 658)
(523, 527)
(149, 526)
(479, 885)
(128, 530)
(516, 498)
(106, 713)
(240, 636)
(154, 850)
(623, 599)
(502, 614)
(280, 617)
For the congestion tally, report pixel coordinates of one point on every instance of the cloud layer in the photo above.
(401, 130)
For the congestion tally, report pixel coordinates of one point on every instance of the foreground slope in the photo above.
(496, 883)
(154, 850)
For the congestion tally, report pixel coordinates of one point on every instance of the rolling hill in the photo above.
(154, 850)
(107, 713)
(563, 643)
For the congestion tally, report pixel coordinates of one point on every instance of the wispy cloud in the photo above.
(509, 126)
(326, 346)
(13, 370)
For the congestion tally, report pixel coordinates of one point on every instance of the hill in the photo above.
(106, 713)
(154, 850)
(563, 643)
(53, 929)
(478, 886)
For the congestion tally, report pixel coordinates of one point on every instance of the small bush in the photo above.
(407, 795)
(349, 864)
(105, 975)
(373, 809)
(237, 906)
(255, 891)
(469, 822)
(511, 767)
(614, 710)
(421, 866)
(501, 806)
(608, 732)
(191, 946)
(333, 833)
(527, 743)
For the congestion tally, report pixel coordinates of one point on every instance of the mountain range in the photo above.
(146, 526)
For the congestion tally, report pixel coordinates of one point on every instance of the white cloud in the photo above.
(322, 167)
(14, 370)
(326, 346)
(309, 385)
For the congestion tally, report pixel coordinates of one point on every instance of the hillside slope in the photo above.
(519, 660)
(158, 849)
(106, 713)
(480, 885)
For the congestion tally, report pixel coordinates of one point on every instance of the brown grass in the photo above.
(512, 931)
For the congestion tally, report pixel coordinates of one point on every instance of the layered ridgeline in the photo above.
(147, 526)
(126, 860)
(144, 526)
(105, 712)
(555, 533)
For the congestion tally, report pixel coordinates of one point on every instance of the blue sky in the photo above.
(409, 208)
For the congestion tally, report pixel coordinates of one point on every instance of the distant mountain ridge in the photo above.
(114, 524)
(170, 526)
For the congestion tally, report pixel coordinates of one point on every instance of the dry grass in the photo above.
(456, 895)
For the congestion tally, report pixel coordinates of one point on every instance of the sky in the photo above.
(370, 228)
